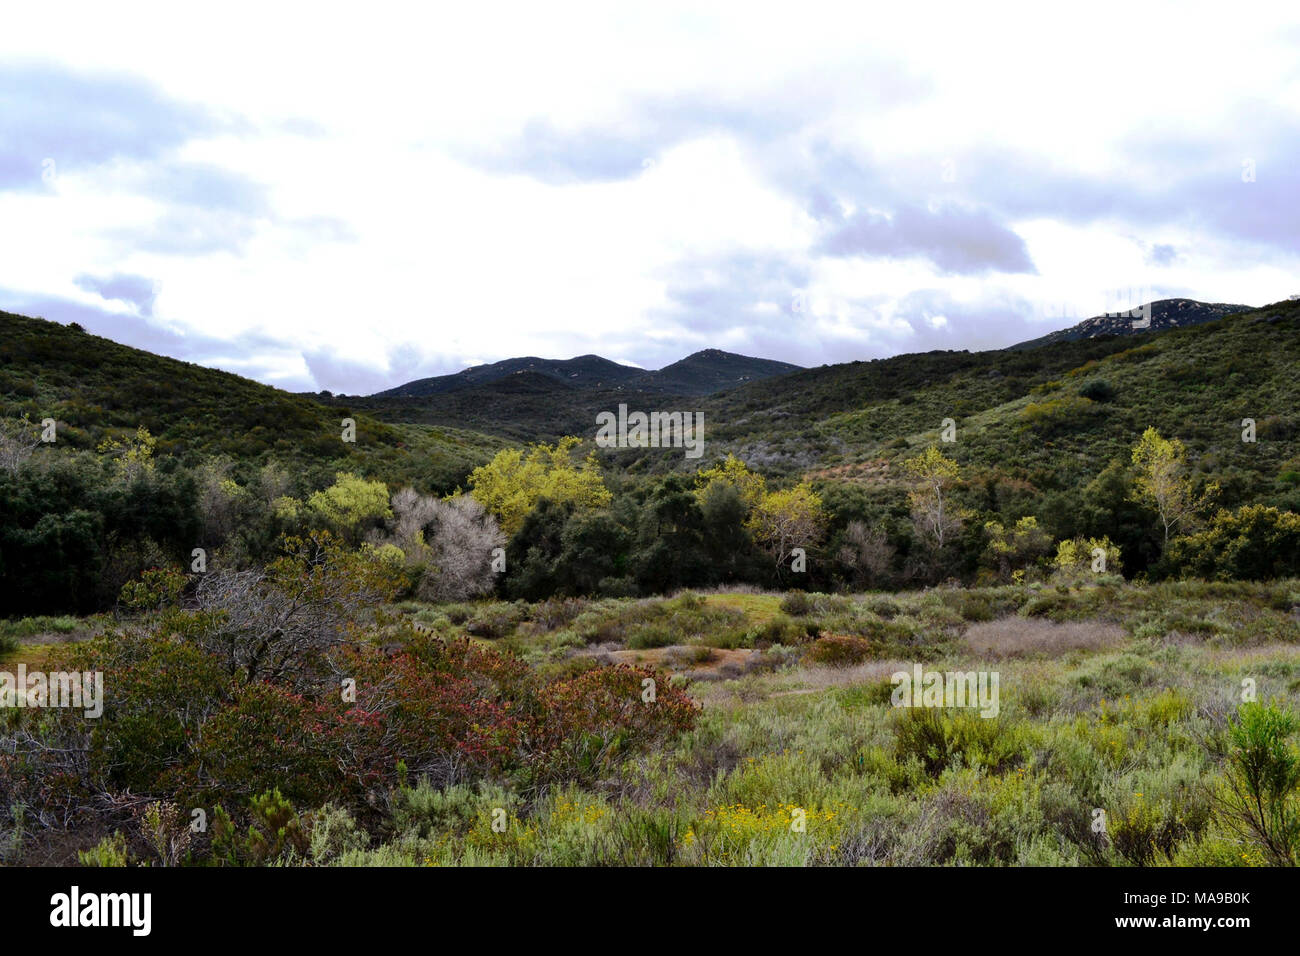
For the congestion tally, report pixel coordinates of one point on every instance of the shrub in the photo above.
(654, 634)
(275, 831)
(1260, 798)
(1057, 415)
(777, 630)
(796, 604)
(1114, 677)
(266, 738)
(836, 650)
(1098, 390)
(496, 620)
(596, 717)
(1254, 542)
(156, 588)
(884, 607)
(110, 851)
(1085, 561)
(938, 738)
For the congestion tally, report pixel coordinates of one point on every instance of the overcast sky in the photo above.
(347, 202)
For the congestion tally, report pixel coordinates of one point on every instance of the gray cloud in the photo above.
(715, 295)
(1166, 178)
(190, 230)
(778, 131)
(78, 120)
(650, 125)
(200, 185)
(120, 287)
(1162, 254)
(996, 320)
(957, 240)
(1242, 186)
(128, 134)
(256, 355)
(726, 302)
(344, 376)
(561, 157)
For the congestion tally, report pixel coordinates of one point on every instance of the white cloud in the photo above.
(382, 234)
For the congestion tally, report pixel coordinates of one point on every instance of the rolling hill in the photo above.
(1049, 415)
(97, 388)
(706, 371)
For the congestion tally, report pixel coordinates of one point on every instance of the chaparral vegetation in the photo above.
(435, 646)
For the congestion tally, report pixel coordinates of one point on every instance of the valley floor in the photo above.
(1110, 745)
(1111, 720)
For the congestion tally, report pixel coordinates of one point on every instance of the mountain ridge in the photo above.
(1158, 315)
(700, 373)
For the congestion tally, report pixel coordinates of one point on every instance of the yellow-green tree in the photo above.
(932, 512)
(1079, 558)
(511, 484)
(734, 473)
(133, 455)
(348, 505)
(784, 520)
(1015, 548)
(1162, 481)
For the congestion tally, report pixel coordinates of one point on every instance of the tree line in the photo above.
(550, 520)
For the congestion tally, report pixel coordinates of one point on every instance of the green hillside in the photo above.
(96, 389)
(1044, 433)
(1052, 416)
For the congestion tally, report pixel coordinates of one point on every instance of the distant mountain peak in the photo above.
(1159, 315)
(700, 373)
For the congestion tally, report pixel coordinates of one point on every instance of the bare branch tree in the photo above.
(279, 623)
(867, 552)
(17, 442)
(464, 537)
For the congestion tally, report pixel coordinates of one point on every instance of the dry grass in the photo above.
(807, 680)
(1032, 637)
(1231, 658)
(701, 663)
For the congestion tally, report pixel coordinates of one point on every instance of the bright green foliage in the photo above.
(110, 851)
(1078, 559)
(1162, 480)
(787, 519)
(512, 483)
(1015, 549)
(1253, 542)
(349, 505)
(1265, 773)
(132, 455)
(732, 473)
(934, 476)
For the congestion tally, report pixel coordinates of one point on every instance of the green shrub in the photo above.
(940, 738)
(1255, 542)
(1098, 390)
(777, 630)
(796, 604)
(838, 650)
(1260, 798)
(496, 620)
(110, 851)
(1113, 677)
